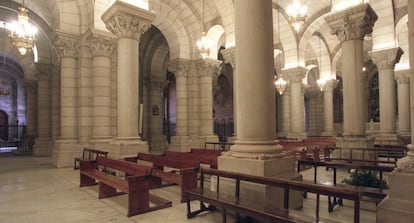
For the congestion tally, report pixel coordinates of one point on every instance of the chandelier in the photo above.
(280, 84)
(297, 15)
(202, 43)
(22, 33)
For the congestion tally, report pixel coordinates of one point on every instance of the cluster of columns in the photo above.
(194, 100)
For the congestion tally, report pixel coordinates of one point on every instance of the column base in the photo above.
(180, 144)
(283, 167)
(296, 137)
(158, 144)
(65, 151)
(127, 147)
(256, 150)
(399, 204)
(354, 142)
(387, 139)
(42, 147)
(232, 139)
(331, 134)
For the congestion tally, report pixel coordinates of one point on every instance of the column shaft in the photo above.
(181, 104)
(296, 125)
(68, 99)
(328, 108)
(403, 93)
(256, 115)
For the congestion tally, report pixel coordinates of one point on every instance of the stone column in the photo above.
(31, 104)
(67, 146)
(43, 145)
(399, 204)
(403, 94)
(55, 102)
(128, 22)
(180, 69)
(229, 55)
(101, 47)
(350, 26)
(385, 59)
(329, 129)
(286, 115)
(256, 150)
(296, 76)
(206, 69)
(158, 141)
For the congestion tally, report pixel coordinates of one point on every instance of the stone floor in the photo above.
(32, 190)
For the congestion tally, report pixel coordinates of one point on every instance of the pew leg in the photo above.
(138, 196)
(106, 191)
(86, 180)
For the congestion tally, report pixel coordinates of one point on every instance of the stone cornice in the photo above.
(229, 55)
(353, 23)
(207, 67)
(67, 45)
(386, 58)
(127, 21)
(179, 67)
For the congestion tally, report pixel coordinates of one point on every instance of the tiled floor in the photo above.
(32, 190)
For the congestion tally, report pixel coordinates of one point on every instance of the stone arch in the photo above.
(383, 36)
(214, 34)
(226, 11)
(401, 31)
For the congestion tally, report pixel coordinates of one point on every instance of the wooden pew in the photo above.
(135, 183)
(256, 208)
(184, 173)
(88, 154)
(206, 156)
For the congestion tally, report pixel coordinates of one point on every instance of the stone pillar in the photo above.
(286, 115)
(229, 55)
(328, 112)
(206, 69)
(128, 22)
(43, 145)
(385, 59)
(399, 204)
(403, 94)
(31, 105)
(296, 75)
(101, 47)
(256, 150)
(55, 102)
(350, 26)
(158, 141)
(180, 68)
(67, 146)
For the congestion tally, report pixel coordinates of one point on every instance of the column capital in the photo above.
(179, 67)
(207, 67)
(402, 76)
(295, 75)
(229, 55)
(67, 45)
(386, 58)
(101, 44)
(330, 85)
(352, 23)
(127, 21)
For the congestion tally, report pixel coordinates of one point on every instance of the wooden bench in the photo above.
(135, 183)
(183, 173)
(206, 156)
(88, 154)
(256, 208)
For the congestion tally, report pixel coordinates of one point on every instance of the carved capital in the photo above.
(353, 23)
(67, 45)
(207, 67)
(295, 75)
(179, 67)
(100, 45)
(402, 76)
(229, 55)
(128, 21)
(386, 58)
(330, 85)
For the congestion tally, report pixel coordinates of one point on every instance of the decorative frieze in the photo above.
(353, 23)
(127, 21)
(179, 67)
(101, 45)
(67, 45)
(386, 58)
